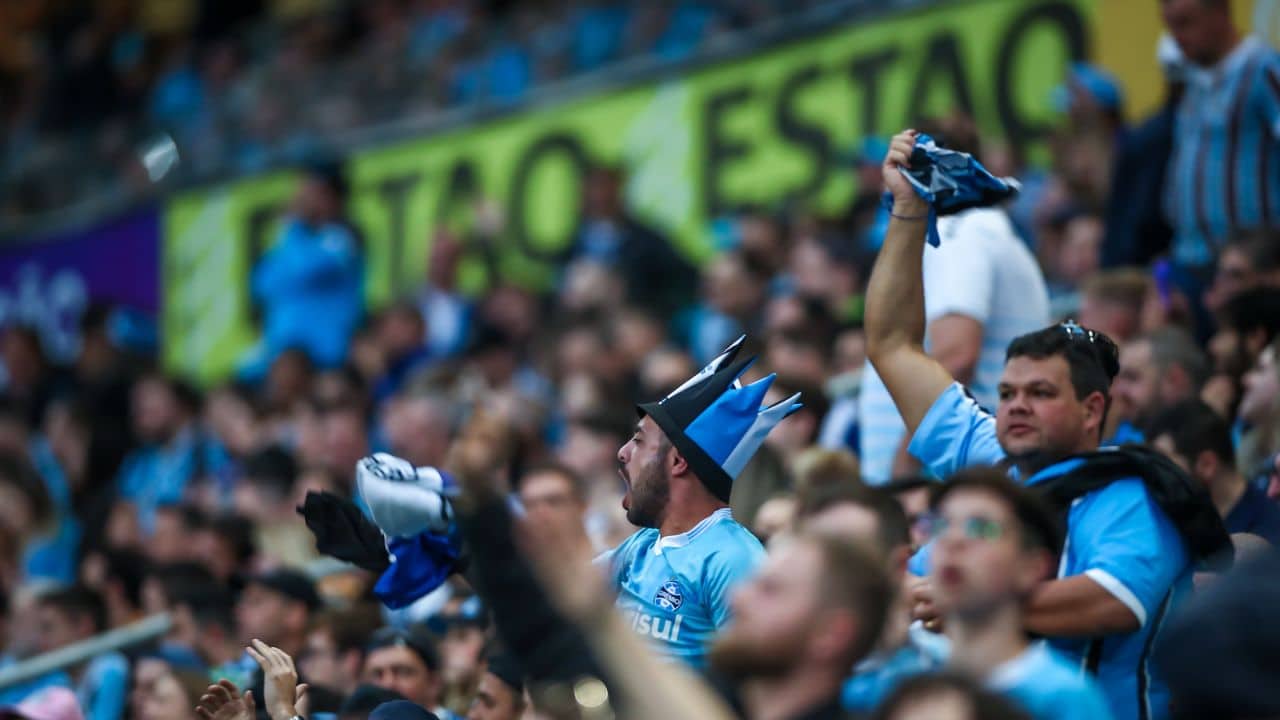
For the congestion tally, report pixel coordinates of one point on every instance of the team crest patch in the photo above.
(669, 596)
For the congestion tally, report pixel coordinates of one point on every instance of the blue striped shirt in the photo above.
(1224, 176)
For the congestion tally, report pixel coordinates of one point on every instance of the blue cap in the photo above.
(1093, 80)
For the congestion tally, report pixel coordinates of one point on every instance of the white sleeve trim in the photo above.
(1120, 591)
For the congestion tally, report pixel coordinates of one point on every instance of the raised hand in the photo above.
(905, 200)
(281, 692)
(224, 702)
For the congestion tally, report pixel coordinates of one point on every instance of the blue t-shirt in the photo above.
(1256, 514)
(1049, 686)
(675, 590)
(1116, 535)
(877, 676)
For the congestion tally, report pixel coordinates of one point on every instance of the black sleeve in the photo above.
(549, 648)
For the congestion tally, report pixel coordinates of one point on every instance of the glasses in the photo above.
(974, 527)
(1108, 353)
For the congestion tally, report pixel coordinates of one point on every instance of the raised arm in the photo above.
(895, 321)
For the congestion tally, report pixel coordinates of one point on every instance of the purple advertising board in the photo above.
(48, 282)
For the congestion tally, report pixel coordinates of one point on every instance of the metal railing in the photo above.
(142, 631)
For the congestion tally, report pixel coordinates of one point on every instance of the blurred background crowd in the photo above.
(126, 491)
(243, 84)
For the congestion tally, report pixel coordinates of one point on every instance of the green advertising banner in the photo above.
(762, 130)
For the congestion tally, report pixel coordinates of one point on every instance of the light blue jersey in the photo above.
(675, 590)
(1049, 686)
(877, 676)
(1116, 535)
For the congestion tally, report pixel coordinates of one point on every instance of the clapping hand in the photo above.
(224, 702)
(280, 689)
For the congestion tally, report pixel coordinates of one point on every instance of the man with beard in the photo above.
(675, 575)
(1126, 564)
(811, 612)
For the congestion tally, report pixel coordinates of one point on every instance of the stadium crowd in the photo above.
(884, 548)
(240, 84)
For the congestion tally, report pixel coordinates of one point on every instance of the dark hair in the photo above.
(272, 468)
(853, 579)
(78, 601)
(15, 470)
(414, 638)
(1091, 356)
(1252, 310)
(209, 603)
(907, 483)
(1194, 427)
(984, 704)
(1040, 525)
(577, 485)
(238, 531)
(350, 628)
(129, 567)
(175, 577)
(892, 528)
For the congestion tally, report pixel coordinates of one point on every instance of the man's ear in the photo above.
(1206, 465)
(1095, 406)
(676, 464)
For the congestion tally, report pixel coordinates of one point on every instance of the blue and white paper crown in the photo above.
(716, 422)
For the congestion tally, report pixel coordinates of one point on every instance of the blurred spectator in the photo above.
(462, 633)
(75, 614)
(401, 335)
(733, 293)
(314, 270)
(30, 380)
(1111, 303)
(1227, 131)
(1218, 653)
(872, 518)
(1199, 440)
(276, 608)
(1136, 227)
(500, 694)
(46, 540)
(982, 288)
(994, 544)
(265, 496)
(1157, 370)
(419, 427)
(1258, 416)
(172, 453)
(116, 575)
(656, 276)
(365, 700)
(946, 695)
(444, 310)
(1246, 262)
(204, 623)
(406, 662)
(912, 493)
(335, 648)
(169, 694)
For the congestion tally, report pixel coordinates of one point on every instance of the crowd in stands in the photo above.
(127, 492)
(243, 84)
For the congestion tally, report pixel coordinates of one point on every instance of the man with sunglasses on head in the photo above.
(1125, 565)
(994, 543)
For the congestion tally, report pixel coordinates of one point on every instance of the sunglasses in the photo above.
(974, 527)
(1108, 353)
